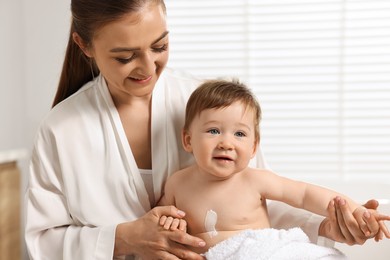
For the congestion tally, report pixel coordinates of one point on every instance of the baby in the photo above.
(220, 194)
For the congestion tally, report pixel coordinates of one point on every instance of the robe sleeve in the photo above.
(51, 233)
(283, 216)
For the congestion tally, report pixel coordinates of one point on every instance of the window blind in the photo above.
(321, 70)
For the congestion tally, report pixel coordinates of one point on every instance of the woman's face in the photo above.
(132, 52)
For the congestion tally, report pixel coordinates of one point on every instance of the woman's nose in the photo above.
(147, 63)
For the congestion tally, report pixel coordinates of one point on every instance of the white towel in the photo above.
(292, 244)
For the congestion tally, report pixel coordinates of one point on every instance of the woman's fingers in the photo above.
(346, 221)
(371, 204)
(332, 216)
(168, 211)
(186, 239)
(184, 253)
(360, 215)
(179, 241)
(166, 255)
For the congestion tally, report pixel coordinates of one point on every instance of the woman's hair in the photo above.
(220, 94)
(88, 16)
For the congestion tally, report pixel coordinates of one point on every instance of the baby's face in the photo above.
(223, 140)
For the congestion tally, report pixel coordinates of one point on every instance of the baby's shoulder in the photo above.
(256, 174)
(180, 175)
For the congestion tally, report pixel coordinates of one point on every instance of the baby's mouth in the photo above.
(223, 158)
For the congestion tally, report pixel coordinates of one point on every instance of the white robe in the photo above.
(83, 178)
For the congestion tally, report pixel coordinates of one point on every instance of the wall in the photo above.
(32, 44)
(12, 75)
(33, 40)
(46, 30)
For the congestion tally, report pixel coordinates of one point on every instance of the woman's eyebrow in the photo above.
(161, 37)
(125, 49)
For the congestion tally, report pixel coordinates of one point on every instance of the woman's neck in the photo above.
(135, 115)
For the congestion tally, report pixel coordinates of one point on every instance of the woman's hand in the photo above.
(147, 239)
(342, 225)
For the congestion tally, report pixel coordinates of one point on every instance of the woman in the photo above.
(102, 155)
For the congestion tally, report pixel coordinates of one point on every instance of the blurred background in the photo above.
(321, 70)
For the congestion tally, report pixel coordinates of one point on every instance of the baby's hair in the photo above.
(219, 94)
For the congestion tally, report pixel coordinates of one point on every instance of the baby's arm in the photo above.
(168, 222)
(314, 199)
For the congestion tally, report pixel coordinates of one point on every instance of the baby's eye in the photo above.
(240, 134)
(213, 131)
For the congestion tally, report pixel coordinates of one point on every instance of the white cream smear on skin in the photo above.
(210, 222)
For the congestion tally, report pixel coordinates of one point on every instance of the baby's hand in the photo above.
(381, 221)
(170, 223)
(364, 216)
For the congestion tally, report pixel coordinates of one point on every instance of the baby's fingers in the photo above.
(175, 224)
(162, 220)
(384, 229)
(379, 217)
(168, 223)
(183, 225)
(180, 224)
(379, 236)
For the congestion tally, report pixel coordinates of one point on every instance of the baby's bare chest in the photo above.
(223, 209)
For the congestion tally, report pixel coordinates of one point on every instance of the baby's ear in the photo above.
(255, 146)
(186, 140)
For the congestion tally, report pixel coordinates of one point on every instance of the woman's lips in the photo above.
(141, 81)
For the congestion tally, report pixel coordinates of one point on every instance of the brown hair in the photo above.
(87, 17)
(220, 94)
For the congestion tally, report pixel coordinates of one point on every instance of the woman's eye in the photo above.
(240, 134)
(125, 60)
(161, 48)
(213, 131)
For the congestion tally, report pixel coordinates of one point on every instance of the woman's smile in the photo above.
(141, 80)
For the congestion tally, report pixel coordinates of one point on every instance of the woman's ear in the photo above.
(80, 42)
(186, 140)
